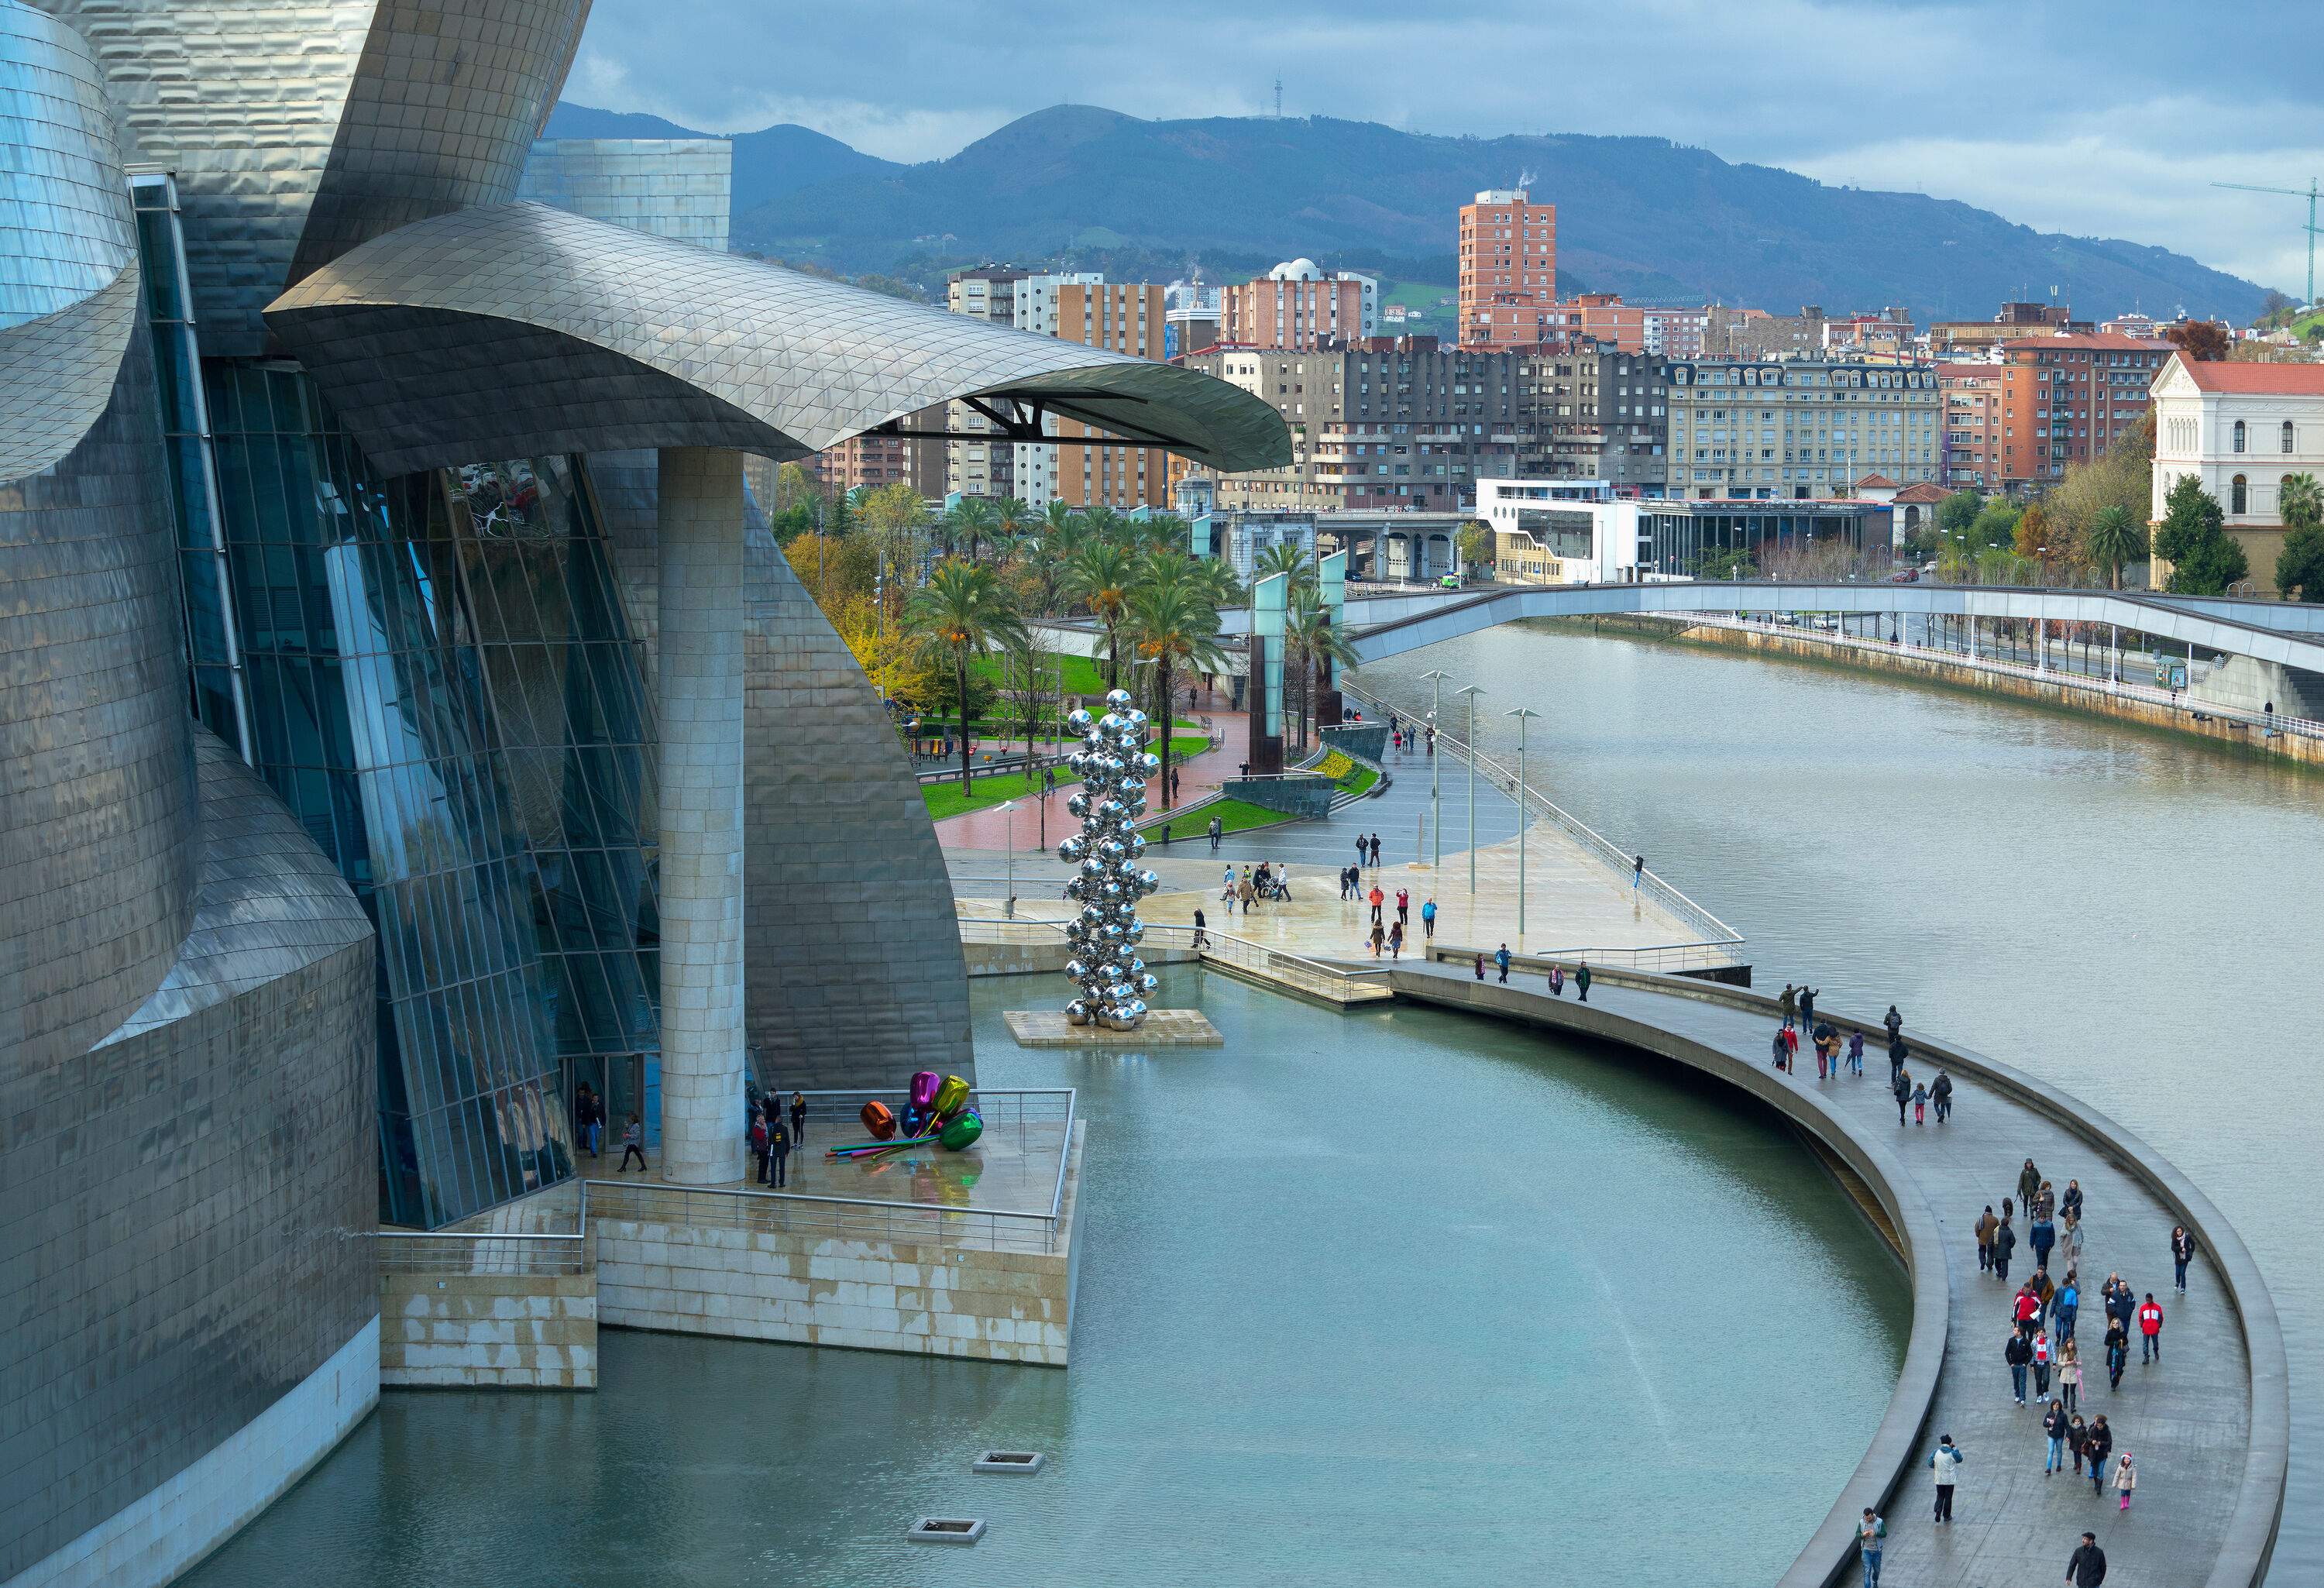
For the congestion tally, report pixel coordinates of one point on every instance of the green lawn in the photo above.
(1235, 816)
(1359, 780)
(1083, 676)
(988, 788)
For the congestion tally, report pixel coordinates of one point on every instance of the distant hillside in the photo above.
(768, 164)
(1638, 216)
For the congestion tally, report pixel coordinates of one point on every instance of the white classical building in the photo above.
(2240, 429)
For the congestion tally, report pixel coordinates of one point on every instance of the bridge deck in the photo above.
(2210, 1467)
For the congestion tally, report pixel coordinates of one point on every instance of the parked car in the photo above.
(1905, 576)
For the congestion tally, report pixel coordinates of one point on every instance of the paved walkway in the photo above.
(990, 828)
(2188, 1420)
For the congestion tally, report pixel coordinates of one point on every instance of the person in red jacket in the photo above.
(2026, 1308)
(2150, 1330)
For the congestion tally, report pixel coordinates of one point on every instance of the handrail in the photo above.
(1713, 929)
(2065, 678)
(476, 1251)
(1284, 966)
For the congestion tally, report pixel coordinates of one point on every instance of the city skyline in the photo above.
(1906, 97)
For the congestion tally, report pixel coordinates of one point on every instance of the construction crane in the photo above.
(2310, 195)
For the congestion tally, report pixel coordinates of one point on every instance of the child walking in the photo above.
(2125, 1479)
(1920, 1104)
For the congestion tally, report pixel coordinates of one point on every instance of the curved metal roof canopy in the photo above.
(520, 329)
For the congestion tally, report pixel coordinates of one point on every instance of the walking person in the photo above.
(2071, 1202)
(1376, 898)
(633, 1140)
(2183, 1253)
(1945, 1460)
(798, 1119)
(2096, 1445)
(1218, 830)
(1903, 1091)
(1782, 1048)
(760, 1142)
(1556, 980)
(2005, 1242)
(1428, 918)
(2070, 1303)
(2070, 1242)
(2126, 1478)
(1856, 1060)
(2086, 1567)
(1403, 907)
(778, 1147)
(2054, 1424)
(1501, 959)
(2029, 1185)
(2078, 1443)
(1582, 980)
(1871, 1533)
(1940, 1090)
(2150, 1330)
(1893, 1022)
(1364, 848)
(2017, 1354)
(2117, 1352)
(1985, 1226)
(1395, 940)
(585, 1115)
(1788, 1005)
(1202, 939)
(1807, 1006)
(2041, 1359)
(1379, 939)
(1480, 966)
(2069, 1375)
(1638, 871)
(1375, 849)
(1920, 1105)
(2041, 1235)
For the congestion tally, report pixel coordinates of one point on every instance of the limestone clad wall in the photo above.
(484, 1331)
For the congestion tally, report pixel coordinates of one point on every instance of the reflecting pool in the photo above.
(1396, 1296)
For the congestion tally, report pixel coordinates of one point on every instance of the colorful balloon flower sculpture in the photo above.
(935, 1114)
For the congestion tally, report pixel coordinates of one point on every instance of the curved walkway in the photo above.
(2209, 1425)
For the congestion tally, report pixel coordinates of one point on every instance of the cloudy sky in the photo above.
(2106, 119)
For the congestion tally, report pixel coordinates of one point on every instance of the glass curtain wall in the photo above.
(441, 687)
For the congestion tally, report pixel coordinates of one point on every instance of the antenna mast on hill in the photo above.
(1278, 99)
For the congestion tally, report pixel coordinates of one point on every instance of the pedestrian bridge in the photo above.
(2288, 635)
(2210, 1424)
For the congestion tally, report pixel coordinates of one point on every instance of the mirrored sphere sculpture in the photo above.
(1109, 881)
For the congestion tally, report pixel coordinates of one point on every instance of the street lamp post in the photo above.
(1435, 676)
(1009, 809)
(1473, 691)
(1522, 713)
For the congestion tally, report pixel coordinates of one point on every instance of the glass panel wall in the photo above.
(443, 689)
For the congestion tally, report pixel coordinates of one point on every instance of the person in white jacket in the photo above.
(1945, 1460)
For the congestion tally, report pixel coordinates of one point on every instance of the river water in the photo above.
(2136, 917)
(1390, 1297)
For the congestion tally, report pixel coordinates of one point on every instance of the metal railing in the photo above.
(1297, 972)
(864, 1218)
(2064, 678)
(1711, 931)
(1667, 958)
(440, 1253)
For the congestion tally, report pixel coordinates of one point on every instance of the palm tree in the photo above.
(2115, 538)
(973, 522)
(1287, 558)
(2299, 501)
(963, 610)
(1309, 637)
(1100, 575)
(1013, 521)
(1170, 625)
(1103, 523)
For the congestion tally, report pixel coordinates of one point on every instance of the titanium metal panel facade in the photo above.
(842, 871)
(681, 188)
(298, 128)
(521, 329)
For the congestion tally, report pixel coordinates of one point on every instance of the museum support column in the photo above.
(698, 525)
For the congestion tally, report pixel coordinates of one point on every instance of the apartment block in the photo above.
(1596, 317)
(1126, 317)
(1298, 306)
(1801, 429)
(1191, 315)
(1754, 333)
(974, 466)
(2010, 322)
(2065, 398)
(1508, 269)
(1674, 333)
(1969, 454)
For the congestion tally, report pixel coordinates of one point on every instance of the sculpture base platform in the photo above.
(1163, 1028)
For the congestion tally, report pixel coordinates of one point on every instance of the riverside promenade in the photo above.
(2208, 1424)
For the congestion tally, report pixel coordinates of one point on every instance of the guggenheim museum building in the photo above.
(405, 715)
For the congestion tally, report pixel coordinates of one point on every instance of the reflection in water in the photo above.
(1326, 1333)
(2131, 915)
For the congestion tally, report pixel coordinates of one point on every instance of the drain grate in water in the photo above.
(1009, 1461)
(946, 1530)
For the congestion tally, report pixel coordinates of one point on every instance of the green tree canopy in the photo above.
(963, 611)
(1171, 625)
(1100, 575)
(2114, 539)
(1956, 511)
(1996, 525)
(2193, 538)
(2300, 565)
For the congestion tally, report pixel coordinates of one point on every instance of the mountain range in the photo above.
(1653, 220)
